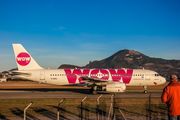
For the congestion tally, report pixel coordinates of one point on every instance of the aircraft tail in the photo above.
(23, 59)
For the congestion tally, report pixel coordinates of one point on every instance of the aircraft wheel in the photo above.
(145, 91)
(94, 92)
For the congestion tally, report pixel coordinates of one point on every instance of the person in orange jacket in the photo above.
(171, 96)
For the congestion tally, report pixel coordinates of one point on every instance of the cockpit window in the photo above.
(157, 75)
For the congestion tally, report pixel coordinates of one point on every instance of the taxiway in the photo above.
(71, 93)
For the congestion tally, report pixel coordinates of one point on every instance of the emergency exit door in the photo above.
(147, 76)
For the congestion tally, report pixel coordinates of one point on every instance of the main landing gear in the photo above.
(145, 89)
(93, 90)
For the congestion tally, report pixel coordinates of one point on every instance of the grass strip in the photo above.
(72, 107)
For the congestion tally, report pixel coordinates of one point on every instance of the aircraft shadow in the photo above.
(82, 91)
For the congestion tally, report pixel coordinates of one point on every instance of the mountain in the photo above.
(67, 66)
(121, 59)
(134, 60)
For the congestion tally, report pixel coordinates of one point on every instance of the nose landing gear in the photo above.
(145, 89)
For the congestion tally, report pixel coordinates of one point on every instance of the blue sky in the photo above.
(77, 31)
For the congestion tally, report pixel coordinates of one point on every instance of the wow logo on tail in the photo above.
(23, 59)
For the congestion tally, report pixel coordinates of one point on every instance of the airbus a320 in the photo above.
(111, 80)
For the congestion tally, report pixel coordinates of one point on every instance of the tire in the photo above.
(145, 91)
(94, 92)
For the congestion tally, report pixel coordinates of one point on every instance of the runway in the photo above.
(71, 93)
(32, 90)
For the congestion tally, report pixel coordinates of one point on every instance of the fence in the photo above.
(98, 109)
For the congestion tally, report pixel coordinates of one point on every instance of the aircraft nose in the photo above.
(163, 80)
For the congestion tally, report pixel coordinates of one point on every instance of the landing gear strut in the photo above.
(145, 89)
(93, 90)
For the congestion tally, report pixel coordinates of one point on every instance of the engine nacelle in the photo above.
(116, 87)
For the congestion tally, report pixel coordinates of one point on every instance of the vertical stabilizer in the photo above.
(23, 59)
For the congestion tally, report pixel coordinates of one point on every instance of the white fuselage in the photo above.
(131, 77)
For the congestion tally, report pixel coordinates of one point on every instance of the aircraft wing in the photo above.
(93, 80)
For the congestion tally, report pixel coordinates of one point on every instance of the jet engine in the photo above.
(116, 87)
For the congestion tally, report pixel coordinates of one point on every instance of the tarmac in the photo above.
(71, 93)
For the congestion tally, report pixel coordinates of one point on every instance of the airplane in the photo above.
(110, 80)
